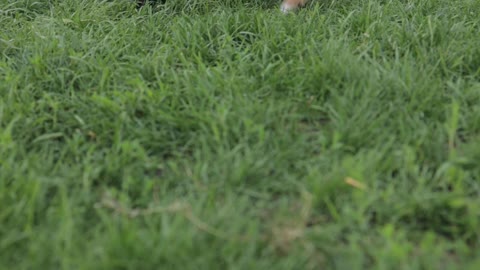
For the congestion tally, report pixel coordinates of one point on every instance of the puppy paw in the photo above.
(286, 7)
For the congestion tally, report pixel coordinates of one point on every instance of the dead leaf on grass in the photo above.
(354, 183)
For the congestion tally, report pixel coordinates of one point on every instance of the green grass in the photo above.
(222, 135)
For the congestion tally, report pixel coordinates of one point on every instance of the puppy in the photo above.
(287, 5)
(291, 5)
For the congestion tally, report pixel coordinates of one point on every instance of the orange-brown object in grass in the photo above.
(290, 5)
(354, 183)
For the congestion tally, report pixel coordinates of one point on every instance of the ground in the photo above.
(226, 135)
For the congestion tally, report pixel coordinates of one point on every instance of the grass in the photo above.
(224, 135)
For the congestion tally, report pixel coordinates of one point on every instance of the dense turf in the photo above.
(221, 134)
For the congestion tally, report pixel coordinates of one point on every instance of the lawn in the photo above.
(223, 134)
